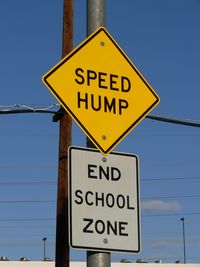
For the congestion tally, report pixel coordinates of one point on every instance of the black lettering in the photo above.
(99, 227)
(84, 100)
(102, 80)
(91, 170)
(99, 199)
(85, 229)
(112, 227)
(125, 84)
(78, 194)
(103, 172)
(113, 82)
(115, 174)
(122, 228)
(123, 104)
(98, 103)
(77, 72)
(109, 107)
(120, 201)
(128, 204)
(91, 75)
(87, 198)
(110, 200)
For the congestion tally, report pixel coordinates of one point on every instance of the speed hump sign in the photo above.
(102, 90)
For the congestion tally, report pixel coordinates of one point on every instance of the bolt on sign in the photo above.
(102, 90)
(104, 211)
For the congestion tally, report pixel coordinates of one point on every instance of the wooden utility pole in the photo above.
(62, 239)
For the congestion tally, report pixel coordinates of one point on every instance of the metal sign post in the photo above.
(95, 19)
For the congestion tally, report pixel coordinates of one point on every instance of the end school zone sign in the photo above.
(104, 207)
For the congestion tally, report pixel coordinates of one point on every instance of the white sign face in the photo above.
(104, 207)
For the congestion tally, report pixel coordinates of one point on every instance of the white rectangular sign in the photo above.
(104, 207)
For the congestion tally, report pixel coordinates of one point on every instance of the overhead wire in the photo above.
(22, 108)
(27, 183)
(142, 214)
(142, 198)
(25, 201)
(170, 179)
(169, 119)
(53, 183)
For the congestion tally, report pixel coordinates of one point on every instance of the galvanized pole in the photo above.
(44, 239)
(62, 243)
(95, 15)
(95, 19)
(184, 250)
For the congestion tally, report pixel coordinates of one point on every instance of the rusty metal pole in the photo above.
(95, 19)
(62, 257)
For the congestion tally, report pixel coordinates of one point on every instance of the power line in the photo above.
(52, 183)
(171, 214)
(25, 201)
(170, 179)
(172, 197)
(26, 219)
(143, 215)
(27, 183)
(28, 166)
(168, 119)
(142, 198)
(21, 108)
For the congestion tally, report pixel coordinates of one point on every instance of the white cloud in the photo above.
(159, 205)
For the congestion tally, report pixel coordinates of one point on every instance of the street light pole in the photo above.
(44, 239)
(184, 250)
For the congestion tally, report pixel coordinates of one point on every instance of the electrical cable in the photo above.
(186, 122)
(21, 108)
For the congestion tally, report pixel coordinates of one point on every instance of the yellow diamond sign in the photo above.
(102, 90)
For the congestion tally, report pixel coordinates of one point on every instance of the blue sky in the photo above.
(162, 39)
